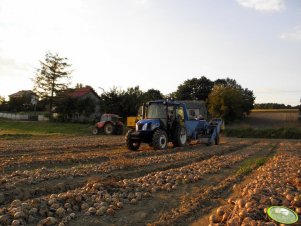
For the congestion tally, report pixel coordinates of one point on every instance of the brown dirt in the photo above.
(37, 168)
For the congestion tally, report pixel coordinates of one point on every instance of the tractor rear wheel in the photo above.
(159, 140)
(179, 136)
(131, 144)
(108, 128)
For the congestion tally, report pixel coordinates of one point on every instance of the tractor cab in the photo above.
(161, 114)
(110, 117)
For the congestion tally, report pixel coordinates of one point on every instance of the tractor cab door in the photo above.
(170, 116)
(175, 116)
(180, 115)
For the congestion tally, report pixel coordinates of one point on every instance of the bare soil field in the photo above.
(95, 180)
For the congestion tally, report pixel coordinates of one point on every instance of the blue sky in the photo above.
(156, 43)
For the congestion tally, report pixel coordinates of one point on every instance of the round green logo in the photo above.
(282, 214)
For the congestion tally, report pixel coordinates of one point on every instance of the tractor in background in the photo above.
(166, 121)
(109, 124)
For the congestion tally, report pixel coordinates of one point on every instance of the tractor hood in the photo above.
(147, 124)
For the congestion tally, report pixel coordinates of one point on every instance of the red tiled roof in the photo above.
(22, 93)
(79, 92)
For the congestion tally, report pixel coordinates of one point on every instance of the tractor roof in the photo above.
(168, 102)
(106, 114)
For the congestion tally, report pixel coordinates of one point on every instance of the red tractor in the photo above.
(109, 124)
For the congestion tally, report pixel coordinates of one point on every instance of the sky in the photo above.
(156, 43)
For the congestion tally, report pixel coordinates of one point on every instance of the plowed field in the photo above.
(95, 180)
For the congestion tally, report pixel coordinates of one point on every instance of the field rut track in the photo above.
(128, 171)
(165, 200)
(206, 176)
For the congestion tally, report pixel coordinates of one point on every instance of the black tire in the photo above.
(159, 140)
(95, 131)
(179, 137)
(108, 128)
(216, 140)
(130, 143)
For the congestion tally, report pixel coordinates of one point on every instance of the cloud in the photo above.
(7, 64)
(275, 91)
(263, 5)
(295, 35)
(142, 1)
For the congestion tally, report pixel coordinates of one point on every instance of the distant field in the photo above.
(21, 129)
(275, 110)
(266, 123)
(270, 118)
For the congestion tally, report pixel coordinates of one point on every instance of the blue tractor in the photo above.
(166, 121)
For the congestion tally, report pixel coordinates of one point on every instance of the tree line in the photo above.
(275, 106)
(223, 97)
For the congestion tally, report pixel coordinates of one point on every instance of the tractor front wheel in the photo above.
(159, 140)
(180, 136)
(131, 144)
(95, 131)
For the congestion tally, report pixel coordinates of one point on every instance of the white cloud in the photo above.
(263, 5)
(142, 1)
(7, 64)
(275, 91)
(294, 35)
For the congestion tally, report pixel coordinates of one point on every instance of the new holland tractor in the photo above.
(166, 121)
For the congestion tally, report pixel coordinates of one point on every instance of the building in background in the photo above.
(78, 104)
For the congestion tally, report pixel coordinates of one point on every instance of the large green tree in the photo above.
(248, 95)
(131, 100)
(152, 94)
(194, 89)
(51, 78)
(226, 102)
(111, 101)
(127, 103)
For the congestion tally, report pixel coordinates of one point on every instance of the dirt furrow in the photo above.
(153, 208)
(163, 181)
(44, 183)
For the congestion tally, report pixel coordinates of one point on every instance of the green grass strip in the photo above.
(250, 164)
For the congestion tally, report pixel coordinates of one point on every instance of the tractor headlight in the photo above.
(155, 125)
(137, 127)
(144, 127)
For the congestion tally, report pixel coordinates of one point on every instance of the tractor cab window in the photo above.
(104, 118)
(115, 118)
(156, 110)
(170, 112)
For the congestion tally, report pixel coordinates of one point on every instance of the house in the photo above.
(23, 100)
(28, 96)
(84, 95)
